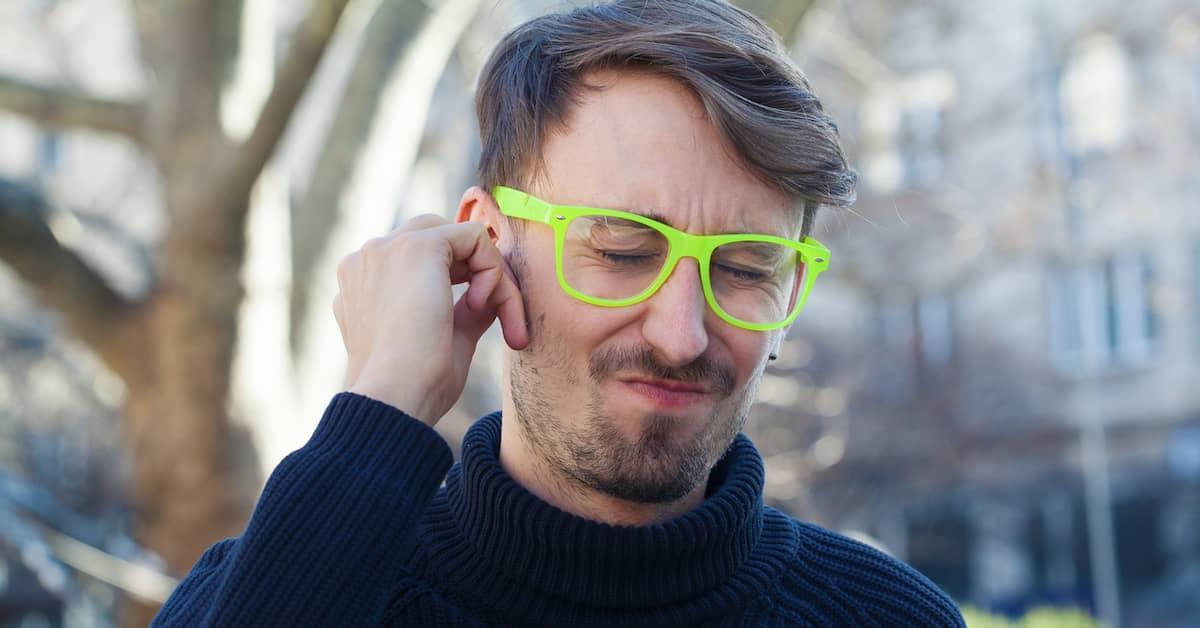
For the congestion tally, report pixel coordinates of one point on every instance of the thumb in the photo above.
(469, 327)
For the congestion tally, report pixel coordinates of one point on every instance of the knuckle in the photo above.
(411, 241)
(481, 232)
(426, 220)
(436, 237)
(374, 244)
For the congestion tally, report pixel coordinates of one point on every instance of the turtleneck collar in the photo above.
(496, 543)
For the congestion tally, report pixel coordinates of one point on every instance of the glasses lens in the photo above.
(756, 282)
(612, 258)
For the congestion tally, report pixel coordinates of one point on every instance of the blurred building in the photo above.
(1009, 337)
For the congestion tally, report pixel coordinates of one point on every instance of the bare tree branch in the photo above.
(307, 47)
(137, 253)
(228, 33)
(177, 42)
(387, 36)
(58, 275)
(67, 109)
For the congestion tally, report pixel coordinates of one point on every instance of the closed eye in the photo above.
(627, 258)
(743, 274)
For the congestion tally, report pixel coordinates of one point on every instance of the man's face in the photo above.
(639, 402)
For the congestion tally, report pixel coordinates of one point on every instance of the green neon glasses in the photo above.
(614, 258)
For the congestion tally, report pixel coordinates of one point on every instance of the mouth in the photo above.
(667, 394)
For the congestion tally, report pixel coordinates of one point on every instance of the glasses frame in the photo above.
(813, 255)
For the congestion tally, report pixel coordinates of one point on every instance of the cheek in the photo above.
(748, 350)
(586, 329)
(571, 325)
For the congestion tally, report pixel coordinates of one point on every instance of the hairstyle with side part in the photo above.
(750, 88)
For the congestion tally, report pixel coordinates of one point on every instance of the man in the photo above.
(649, 178)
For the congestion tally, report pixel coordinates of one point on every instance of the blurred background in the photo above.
(997, 381)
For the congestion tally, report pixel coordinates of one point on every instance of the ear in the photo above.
(479, 206)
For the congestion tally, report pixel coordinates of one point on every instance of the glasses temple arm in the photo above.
(518, 204)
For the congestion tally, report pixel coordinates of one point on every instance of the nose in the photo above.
(675, 320)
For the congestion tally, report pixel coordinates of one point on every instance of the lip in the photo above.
(667, 393)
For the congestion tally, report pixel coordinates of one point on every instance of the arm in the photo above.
(325, 542)
(326, 539)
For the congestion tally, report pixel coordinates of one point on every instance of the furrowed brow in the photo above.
(657, 217)
(763, 252)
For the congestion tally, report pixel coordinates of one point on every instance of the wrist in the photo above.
(415, 406)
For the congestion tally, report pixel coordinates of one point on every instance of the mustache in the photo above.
(718, 377)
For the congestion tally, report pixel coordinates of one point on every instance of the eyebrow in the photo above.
(764, 252)
(657, 217)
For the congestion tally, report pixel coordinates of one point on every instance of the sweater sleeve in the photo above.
(324, 544)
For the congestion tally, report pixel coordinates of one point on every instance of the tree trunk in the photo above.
(177, 355)
(174, 349)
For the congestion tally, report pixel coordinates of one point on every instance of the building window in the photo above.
(921, 146)
(902, 131)
(1101, 315)
(49, 152)
(894, 322)
(920, 331)
(935, 330)
(1196, 285)
(892, 376)
(1094, 93)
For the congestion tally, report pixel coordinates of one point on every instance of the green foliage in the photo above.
(1041, 617)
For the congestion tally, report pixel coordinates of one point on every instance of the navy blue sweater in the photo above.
(353, 530)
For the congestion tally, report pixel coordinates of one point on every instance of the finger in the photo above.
(337, 313)
(481, 288)
(419, 222)
(466, 240)
(469, 327)
(495, 292)
(505, 296)
(459, 272)
(469, 242)
(510, 306)
(511, 310)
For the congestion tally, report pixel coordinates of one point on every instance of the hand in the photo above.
(408, 343)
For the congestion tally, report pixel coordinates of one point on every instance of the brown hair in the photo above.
(750, 88)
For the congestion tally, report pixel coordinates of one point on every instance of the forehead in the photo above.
(643, 143)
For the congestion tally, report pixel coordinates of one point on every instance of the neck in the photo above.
(519, 556)
(552, 486)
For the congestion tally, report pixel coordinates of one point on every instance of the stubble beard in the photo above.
(662, 465)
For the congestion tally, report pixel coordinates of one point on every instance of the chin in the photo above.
(649, 480)
(662, 462)
(656, 433)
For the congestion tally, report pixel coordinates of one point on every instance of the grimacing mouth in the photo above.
(672, 385)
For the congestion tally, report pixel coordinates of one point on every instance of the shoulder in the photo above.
(840, 578)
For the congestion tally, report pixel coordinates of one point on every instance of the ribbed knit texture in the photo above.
(352, 530)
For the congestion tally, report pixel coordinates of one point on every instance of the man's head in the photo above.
(689, 110)
(750, 90)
